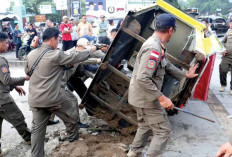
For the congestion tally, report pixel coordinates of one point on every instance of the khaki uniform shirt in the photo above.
(147, 78)
(7, 83)
(94, 59)
(227, 42)
(45, 83)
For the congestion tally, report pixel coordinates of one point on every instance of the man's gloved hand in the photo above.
(100, 46)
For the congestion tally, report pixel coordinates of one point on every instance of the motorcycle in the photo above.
(26, 48)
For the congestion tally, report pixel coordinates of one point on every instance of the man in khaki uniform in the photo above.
(226, 63)
(145, 89)
(45, 93)
(73, 75)
(8, 109)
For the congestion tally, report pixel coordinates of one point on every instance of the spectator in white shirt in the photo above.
(74, 32)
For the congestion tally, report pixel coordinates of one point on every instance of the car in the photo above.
(218, 24)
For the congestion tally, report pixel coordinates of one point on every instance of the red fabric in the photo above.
(202, 88)
(66, 37)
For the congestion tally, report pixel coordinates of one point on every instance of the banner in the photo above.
(136, 4)
(95, 8)
(40, 18)
(109, 8)
(61, 4)
(45, 9)
(76, 8)
(116, 8)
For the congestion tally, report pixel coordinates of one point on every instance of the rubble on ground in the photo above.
(98, 140)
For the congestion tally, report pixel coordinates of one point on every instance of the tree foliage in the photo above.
(32, 6)
(11, 6)
(210, 6)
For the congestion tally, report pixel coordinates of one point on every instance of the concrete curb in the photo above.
(13, 63)
(220, 112)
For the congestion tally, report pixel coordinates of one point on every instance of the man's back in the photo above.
(45, 82)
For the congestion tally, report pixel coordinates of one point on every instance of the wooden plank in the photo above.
(120, 103)
(171, 58)
(120, 114)
(136, 36)
(184, 65)
(119, 73)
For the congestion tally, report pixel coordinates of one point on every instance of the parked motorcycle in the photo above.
(26, 48)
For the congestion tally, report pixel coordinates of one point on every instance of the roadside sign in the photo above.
(45, 9)
(76, 8)
(40, 18)
(61, 4)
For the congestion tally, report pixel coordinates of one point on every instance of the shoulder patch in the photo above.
(155, 54)
(152, 63)
(153, 59)
(4, 70)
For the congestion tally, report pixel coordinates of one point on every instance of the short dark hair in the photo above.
(5, 29)
(163, 29)
(15, 24)
(206, 21)
(114, 30)
(3, 37)
(111, 21)
(50, 33)
(104, 40)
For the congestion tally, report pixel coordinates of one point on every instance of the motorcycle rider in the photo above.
(31, 31)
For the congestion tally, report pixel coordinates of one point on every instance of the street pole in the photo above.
(20, 10)
(69, 8)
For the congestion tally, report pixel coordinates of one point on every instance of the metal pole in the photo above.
(69, 8)
(194, 114)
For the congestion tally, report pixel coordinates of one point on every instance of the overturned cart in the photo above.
(107, 95)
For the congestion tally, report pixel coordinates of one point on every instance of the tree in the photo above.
(183, 4)
(210, 6)
(32, 6)
(11, 6)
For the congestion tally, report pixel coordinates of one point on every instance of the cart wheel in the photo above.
(22, 54)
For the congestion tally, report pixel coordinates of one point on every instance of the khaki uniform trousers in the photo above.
(224, 67)
(154, 122)
(11, 113)
(67, 112)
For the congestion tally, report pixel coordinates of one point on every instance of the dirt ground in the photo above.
(105, 144)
